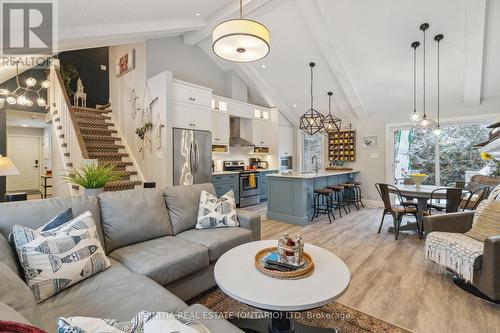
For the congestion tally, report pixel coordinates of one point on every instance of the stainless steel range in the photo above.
(249, 183)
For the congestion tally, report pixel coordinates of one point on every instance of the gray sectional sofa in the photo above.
(159, 260)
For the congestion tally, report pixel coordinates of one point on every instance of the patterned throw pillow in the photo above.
(56, 259)
(487, 222)
(217, 213)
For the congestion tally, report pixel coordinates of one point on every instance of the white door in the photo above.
(25, 153)
(220, 133)
(260, 133)
(182, 93)
(286, 141)
(201, 97)
(182, 115)
(201, 117)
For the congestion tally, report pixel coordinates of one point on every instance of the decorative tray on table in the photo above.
(288, 261)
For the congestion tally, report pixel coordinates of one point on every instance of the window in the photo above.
(450, 157)
(313, 146)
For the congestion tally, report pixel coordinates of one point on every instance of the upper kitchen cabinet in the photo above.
(188, 93)
(220, 128)
(260, 133)
(261, 114)
(286, 143)
(191, 107)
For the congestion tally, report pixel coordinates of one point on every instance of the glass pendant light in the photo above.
(414, 116)
(437, 130)
(425, 123)
(330, 124)
(310, 122)
(241, 40)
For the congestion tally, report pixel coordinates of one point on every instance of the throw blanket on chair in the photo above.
(458, 252)
(14, 327)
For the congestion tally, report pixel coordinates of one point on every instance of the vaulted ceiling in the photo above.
(361, 48)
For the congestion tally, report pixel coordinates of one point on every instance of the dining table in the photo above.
(422, 193)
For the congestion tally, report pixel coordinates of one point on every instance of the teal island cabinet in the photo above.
(263, 183)
(290, 196)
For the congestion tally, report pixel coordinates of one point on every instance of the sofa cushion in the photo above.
(133, 216)
(486, 221)
(216, 212)
(57, 259)
(182, 204)
(35, 213)
(16, 294)
(163, 259)
(9, 314)
(218, 241)
(8, 256)
(115, 293)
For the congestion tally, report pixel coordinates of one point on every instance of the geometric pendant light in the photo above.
(437, 130)
(241, 40)
(414, 116)
(331, 124)
(425, 123)
(311, 120)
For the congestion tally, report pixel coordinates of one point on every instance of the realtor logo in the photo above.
(28, 27)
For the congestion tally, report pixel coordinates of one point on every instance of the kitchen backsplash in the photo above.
(242, 153)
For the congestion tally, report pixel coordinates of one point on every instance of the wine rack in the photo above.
(342, 146)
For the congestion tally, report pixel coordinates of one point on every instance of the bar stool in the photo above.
(337, 198)
(321, 196)
(350, 195)
(357, 195)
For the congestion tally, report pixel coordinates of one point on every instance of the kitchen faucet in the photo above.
(316, 166)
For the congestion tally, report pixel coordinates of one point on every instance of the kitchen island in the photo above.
(290, 195)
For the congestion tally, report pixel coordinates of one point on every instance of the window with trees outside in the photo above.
(446, 158)
(313, 146)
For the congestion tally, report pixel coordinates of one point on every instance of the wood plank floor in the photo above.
(391, 279)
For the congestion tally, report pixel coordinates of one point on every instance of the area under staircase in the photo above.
(86, 135)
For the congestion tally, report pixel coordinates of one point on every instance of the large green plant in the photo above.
(93, 175)
(70, 75)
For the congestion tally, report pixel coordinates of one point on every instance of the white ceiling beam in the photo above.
(324, 38)
(91, 36)
(475, 20)
(229, 12)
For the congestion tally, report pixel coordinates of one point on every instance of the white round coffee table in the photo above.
(236, 275)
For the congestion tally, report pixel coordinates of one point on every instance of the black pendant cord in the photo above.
(241, 9)
(414, 45)
(312, 64)
(424, 27)
(438, 39)
(330, 103)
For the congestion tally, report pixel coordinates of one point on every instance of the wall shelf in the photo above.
(342, 146)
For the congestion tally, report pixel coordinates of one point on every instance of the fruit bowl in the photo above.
(418, 178)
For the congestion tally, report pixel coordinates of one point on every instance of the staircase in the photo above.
(102, 144)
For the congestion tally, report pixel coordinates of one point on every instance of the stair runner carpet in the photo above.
(95, 126)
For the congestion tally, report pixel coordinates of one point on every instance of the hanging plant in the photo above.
(141, 131)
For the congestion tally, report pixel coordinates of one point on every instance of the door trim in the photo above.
(40, 154)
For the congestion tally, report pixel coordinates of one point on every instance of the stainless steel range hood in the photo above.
(235, 139)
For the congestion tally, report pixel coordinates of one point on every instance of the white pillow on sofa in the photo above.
(217, 213)
(55, 259)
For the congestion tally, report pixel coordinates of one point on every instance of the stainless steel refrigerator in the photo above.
(192, 157)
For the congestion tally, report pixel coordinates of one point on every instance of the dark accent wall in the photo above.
(88, 64)
(3, 148)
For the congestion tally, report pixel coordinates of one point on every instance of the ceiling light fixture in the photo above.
(415, 117)
(241, 40)
(310, 121)
(330, 124)
(437, 130)
(19, 95)
(197, 14)
(425, 123)
(263, 66)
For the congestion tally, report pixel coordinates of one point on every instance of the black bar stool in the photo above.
(338, 201)
(357, 194)
(322, 203)
(350, 195)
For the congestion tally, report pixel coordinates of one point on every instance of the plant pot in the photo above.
(92, 191)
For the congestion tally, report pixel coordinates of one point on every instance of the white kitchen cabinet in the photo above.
(220, 128)
(260, 133)
(184, 92)
(191, 116)
(286, 142)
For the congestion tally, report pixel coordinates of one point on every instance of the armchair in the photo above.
(485, 281)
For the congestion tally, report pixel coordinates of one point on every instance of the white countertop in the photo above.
(236, 274)
(311, 175)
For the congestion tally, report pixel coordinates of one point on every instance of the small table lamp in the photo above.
(7, 167)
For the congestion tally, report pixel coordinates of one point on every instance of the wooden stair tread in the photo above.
(93, 137)
(82, 109)
(107, 154)
(93, 129)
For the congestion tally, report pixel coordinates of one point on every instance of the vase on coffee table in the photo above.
(237, 276)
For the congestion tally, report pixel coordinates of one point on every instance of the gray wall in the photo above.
(3, 147)
(188, 63)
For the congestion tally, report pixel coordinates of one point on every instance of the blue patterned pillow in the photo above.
(59, 220)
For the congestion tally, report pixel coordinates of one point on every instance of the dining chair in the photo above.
(411, 202)
(474, 199)
(453, 198)
(457, 183)
(397, 211)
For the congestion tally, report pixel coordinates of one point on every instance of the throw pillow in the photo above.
(479, 210)
(217, 213)
(144, 322)
(56, 259)
(487, 223)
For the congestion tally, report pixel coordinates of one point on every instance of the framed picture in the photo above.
(125, 63)
(369, 141)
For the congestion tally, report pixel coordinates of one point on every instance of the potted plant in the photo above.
(93, 177)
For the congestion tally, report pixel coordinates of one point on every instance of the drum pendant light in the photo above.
(241, 40)
(310, 122)
(425, 123)
(415, 117)
(437, 131)
(331, 124)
